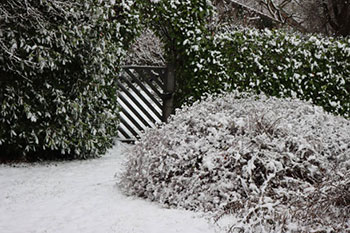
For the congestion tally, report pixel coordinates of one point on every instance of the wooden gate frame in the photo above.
(147, 78)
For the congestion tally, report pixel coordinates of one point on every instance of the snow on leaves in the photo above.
(282, 64)
(255, 159)
(188, 44)
(58, 63)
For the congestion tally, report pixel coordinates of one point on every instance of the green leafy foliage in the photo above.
(188, 44)
(273, 62)
(58, 63)
(280, 64)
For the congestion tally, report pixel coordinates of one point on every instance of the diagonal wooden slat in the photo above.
(131, 129)
(144, 88)
(153, 75)
(122, 131)
(150, 84)
(133, 121)
(158, 77)
(139, 94)
(145, 98)
(133, 109)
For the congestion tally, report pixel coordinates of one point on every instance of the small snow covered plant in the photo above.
(258, 160)
(58, 63)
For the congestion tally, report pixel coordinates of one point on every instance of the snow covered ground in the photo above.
(81, 196)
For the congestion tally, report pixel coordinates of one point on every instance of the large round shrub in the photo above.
(260, 159)
(58, 64)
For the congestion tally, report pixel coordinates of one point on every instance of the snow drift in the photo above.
(265, 162)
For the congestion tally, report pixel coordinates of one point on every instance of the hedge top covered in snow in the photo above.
(260, 158)
(310, 67)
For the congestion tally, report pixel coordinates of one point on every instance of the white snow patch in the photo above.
(81, 196)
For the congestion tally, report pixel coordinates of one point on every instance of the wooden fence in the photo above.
(145, 97)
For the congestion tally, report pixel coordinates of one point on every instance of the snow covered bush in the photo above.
(182, 27)
(256, 160)
(58, 64)
(276, 63)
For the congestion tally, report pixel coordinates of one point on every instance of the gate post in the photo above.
(169, 89)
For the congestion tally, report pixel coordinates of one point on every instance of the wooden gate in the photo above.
(145, 97)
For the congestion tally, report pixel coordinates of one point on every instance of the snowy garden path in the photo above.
(81, 196)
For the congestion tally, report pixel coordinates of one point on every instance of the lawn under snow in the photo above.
(81, 196)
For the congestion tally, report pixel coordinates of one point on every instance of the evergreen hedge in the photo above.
(309, 67)
(59, 61)
(58, 64)
(277, 63)
(188, 44)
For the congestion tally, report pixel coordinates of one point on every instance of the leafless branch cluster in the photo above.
(241, 13)
(330, 17)
(146, 50)
(328, 205)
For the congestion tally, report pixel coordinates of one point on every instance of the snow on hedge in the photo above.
(282, 64)
(58, 69)
(261, 161)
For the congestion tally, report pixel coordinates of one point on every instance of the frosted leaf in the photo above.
(256, 154)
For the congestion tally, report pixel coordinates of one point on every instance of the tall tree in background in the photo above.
(330, 17)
